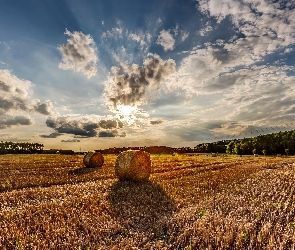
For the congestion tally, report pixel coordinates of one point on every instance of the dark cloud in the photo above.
(70, 140)
(113, 133)
(83, 128)
(52, 135)
(221, 55)
(19, 103)
(107, 134)
(131, 81)
(6, 104)
(51, 123)
(9, 121)
(15, 103)
(43, 108)
(156, 122)
(110, 124)
(77, 128)
(80, 128)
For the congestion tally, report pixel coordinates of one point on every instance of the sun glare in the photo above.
(127, 113)
(126, 110)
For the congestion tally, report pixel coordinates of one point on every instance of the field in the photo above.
(190, 202)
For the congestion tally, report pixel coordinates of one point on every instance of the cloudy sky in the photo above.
(96, 74)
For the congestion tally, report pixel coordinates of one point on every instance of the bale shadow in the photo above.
(81, 171)
(140, 206)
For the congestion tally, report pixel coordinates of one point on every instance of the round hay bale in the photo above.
(93, 160)
(133, 165)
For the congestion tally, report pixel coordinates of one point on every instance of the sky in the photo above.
(94, 74)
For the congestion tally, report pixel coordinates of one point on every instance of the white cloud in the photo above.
(175, 30)
(16, 103)
(184, 35)
(114, 33)
(133, 44)
(166, 40)
(79, 54)
(249, 94)
(288, 50)
(141, 38)
(266, 26)
(266, 30)
(206, 30)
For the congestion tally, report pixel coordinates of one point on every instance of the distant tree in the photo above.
(237, 149)
(230, 147)
(274, 143)
(264, 151)
(287, 151)
(20, 148)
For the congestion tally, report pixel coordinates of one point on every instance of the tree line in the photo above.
(270, 144)
(20, 148)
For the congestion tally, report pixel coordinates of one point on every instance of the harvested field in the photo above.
(189, 202)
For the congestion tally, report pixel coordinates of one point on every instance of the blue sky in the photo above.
(97, 74)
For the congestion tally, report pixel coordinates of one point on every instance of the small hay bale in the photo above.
(93, 160)
(133, 165)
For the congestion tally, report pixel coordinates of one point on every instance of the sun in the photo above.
(126, 110)
(127, 113)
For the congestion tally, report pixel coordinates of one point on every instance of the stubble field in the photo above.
(190, 202)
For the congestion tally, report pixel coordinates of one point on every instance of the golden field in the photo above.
(190, 202)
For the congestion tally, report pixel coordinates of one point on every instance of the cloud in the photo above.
(143, 39)
(137, 41)
(43, 108)
(206, 30)
(272, 23)
(52, 135)
(113, 33)
(4, 87)
(166, 40)
(15, 100)
(79, 54)
(82, 127)
(219, 66)
(266, 97)
(110, 124)
(128, 83)
(12, 87)
(230, 128)
(16, 103)
(260, 29)
(9, 121)
(156, 122)
(113, 133)
(64, 125)
(184, 35)
(70, 140)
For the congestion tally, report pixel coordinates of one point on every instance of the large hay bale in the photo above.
(93, 160)
(133, 165)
